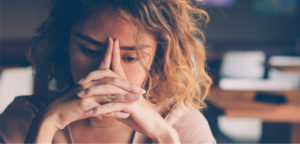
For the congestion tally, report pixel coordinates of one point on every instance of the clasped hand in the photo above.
(107, 93)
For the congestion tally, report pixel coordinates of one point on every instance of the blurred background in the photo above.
(253, 49)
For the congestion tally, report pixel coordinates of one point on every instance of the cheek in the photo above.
(135, 73)
(80, 64)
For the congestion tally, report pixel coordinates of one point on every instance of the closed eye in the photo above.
(129, 59)
(88, 52)
(93, 53)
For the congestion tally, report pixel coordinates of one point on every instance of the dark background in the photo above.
(239, 27)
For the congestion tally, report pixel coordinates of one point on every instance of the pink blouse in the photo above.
(191, 125)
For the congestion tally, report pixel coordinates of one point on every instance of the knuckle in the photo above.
(85, 86)
(111, 73)
(83, 104)
(106, 80)
(128, 96)
(93, 73)
(90, 74)
(130, 87)
(112, 114)
(111, 105)
(96, 110)
(98, 82)
(113, 80)
(107, 70)
(62, 120)
(130, 107)
(108, 88)
(90, 91)
(112, 97)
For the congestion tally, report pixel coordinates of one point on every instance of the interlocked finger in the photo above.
(109, 108)
(115, 98)
(110, 85)
(121, 115)
(98, 74)
(103, 89)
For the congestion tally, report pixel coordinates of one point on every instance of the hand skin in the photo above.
(134, 111)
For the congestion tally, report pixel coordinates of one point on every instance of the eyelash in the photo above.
(93, 53)
(88, 52)
(129, 59)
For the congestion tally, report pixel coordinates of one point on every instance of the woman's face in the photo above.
(88, 41)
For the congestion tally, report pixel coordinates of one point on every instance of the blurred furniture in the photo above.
(236, 103)
(285, 63)
(288, 68)
(14, 81)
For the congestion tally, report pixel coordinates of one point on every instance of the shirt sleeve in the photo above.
(192, 127)
(15, 120)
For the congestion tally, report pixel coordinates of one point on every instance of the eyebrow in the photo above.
(89, 39)
(99, 43)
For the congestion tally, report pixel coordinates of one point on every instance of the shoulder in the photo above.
(191, 125)
(16, 119)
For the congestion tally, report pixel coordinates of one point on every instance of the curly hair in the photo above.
(177, 74)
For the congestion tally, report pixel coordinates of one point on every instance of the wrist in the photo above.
(50, 122)
(52, 118)
(167, 135)
(41, 130)
(46, 131)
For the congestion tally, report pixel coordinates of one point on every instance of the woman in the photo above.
(93, 61)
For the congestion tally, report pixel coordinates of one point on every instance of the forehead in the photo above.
(102, 26)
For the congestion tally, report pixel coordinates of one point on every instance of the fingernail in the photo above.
(117, 42)
(139, 90)
(110, 40)
(89, 112)
(81, 93)
(143, 91)
(84, 81)
(124, 115)
(81, 81)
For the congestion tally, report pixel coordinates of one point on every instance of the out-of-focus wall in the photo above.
(240, 22)
(20, 18)
(18, 21)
